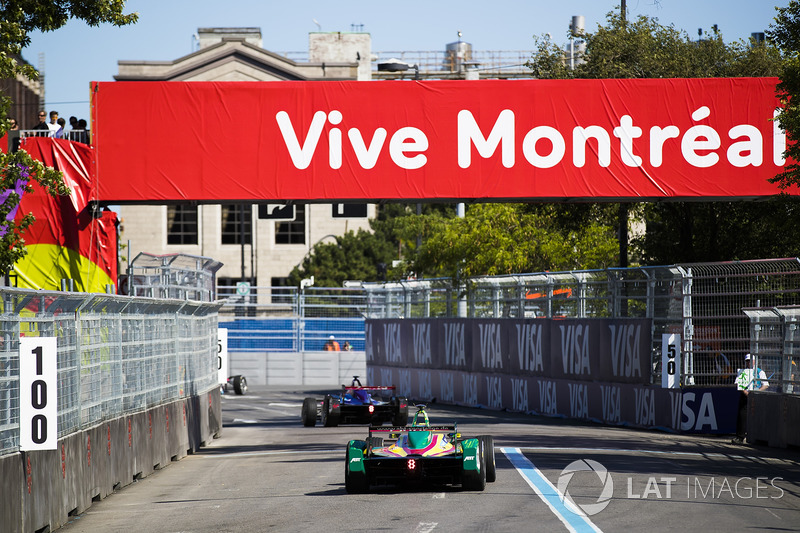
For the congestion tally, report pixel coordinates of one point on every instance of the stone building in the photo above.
(252, 247)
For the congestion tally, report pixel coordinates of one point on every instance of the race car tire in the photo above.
(376, 442)
(488, 450)
(324, 414)
(330, 418)
(309, 413)
(476, 479)
(400, 417)
(239, 385)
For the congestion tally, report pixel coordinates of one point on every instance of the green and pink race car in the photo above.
(419, 454)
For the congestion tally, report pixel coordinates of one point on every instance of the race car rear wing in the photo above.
(398, 429)
(369, 388)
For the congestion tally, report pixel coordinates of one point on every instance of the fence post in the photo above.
(300, 322)
(688, 325)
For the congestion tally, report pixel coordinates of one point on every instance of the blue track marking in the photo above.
(548, 492)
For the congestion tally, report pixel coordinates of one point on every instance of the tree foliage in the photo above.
(18, 170)
(494, 239)
(785, 33)
(643, 48)
(354, 256)
(19, 19)
(362, 255)
(684, 231)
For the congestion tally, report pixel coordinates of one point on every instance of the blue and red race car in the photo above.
(357, 404)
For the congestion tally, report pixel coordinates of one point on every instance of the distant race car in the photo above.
(419, 454)
(238, 383)
(357, 404)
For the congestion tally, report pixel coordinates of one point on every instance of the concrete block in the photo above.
(175, 429)
(320, 368)
(159, 448)
(204, 412)
(215, 413)
(98, 461)
(791, 419)
(11, 472)
(142, 434)
(73, 474)
(284, 369)
(765, 419)
(193, 422)
(352, 364)
(253, 366)
(40, 497)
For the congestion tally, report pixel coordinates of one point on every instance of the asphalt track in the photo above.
(268, 473)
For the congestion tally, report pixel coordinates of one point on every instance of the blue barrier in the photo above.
(292, 334)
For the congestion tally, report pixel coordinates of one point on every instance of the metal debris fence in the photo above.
(703, 302)
(285, 319)
(116, 355)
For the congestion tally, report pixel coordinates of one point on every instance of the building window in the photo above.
(181, 224)
(293, 232)
(237, 224)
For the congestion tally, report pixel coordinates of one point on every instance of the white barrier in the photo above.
(298, 368)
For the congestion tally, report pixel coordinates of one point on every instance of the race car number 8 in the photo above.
(38, 404)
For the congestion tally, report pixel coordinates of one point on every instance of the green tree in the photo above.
(494, 239)
(705, 231)
(785, 34)
(369, 255)
(683, 231)
(362, 255)
(19, 170)
(354, 256)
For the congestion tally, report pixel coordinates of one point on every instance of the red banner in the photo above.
(489, 139)
(65, 241)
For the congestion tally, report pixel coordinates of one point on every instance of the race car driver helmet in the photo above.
(361, 395)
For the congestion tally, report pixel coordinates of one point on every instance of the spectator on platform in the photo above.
(331, 345)
(347, 347)
(42, 125)
(84, 135)
(61, 132)
(13, 138)
(53, 125)
(748, 379)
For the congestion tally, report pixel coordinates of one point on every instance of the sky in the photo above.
(77, 54)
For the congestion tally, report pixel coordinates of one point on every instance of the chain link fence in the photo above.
(286, 319)
(116, 355)
(775, 345)
(702, 302)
